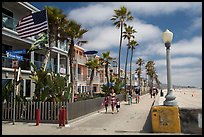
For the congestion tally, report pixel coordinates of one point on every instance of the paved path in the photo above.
(131, 119)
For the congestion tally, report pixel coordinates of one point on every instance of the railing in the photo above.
(49, 111)
(9, 22)
(50, 67)
(25, 64)
(63, 46)
(96, 79)
(7, 63)
(25, 111)
(82, 77)
(81, 59)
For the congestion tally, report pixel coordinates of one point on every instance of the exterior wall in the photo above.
(58, 62)
(11, 41)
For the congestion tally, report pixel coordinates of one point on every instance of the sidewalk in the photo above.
(130, 120)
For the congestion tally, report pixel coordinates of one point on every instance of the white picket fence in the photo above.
(26, 111)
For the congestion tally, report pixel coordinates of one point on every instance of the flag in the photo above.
(32, 24)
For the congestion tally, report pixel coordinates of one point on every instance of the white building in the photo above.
(12, 12)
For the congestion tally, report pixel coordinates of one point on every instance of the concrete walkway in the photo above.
(131, 119)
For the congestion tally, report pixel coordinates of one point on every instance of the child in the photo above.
(106, 103)
(117, 104)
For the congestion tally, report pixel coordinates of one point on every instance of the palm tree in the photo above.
(75, 33)
(56, 23)
(139, 62)
(150, 71)
(121, 16)
(93, 65)
(128, 33)
(158, 83)
(105, 61)
(133, 44)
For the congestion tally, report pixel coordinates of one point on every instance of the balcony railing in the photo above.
(7, 63)
(81, 59)
(82, 77)
(96, 79)
(9, 22)
(50, 67)
(25, 64)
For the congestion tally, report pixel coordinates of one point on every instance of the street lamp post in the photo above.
(170, 98)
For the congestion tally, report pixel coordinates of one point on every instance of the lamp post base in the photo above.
(170, 103)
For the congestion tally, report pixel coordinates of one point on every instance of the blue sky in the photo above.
(184, 19)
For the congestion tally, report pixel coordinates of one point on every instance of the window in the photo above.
(7, 19)
(28, 82)
(79, 70)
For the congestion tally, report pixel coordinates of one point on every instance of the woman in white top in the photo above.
(113, 99)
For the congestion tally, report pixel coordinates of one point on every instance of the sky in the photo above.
(151, 19)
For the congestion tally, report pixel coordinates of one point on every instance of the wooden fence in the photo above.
(49, 111)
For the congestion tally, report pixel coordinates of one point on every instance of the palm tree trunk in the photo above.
(45, 61)
(71, 56)
(126, 69)
(91, 81)
(47, 55)
(121, 33)
(106, 73)
(131, 71)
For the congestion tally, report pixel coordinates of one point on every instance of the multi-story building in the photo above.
(58, 61)
(82, 73)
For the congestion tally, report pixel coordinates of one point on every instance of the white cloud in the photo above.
(181, 61)
(159, 8)
(188, 47)
(102, 38)
(183, 47)
(92, 14)
(197, 23)
(99, 13)
(183, 76)
(146, 32)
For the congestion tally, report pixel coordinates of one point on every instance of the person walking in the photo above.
(113, 100)
(137, 92)
(117, 105)
(106, 101)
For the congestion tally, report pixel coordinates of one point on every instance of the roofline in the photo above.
(79, 47)
(29, 6)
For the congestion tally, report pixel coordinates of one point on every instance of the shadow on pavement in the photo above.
(148, 124)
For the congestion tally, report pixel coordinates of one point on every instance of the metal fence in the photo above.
(49, 111)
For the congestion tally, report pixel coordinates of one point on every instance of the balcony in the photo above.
(50, 67)
(81, 59)
(82, 78)
(9, 22)
(7, 63)
(96, 80)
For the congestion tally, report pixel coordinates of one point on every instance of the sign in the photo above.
(23, 51)
(62, 70)
(14, 56)
(14, 63)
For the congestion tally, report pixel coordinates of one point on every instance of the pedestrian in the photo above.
(106, 100)
(117, 104)
(130, 99)
(113, 100)
(137, 91)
